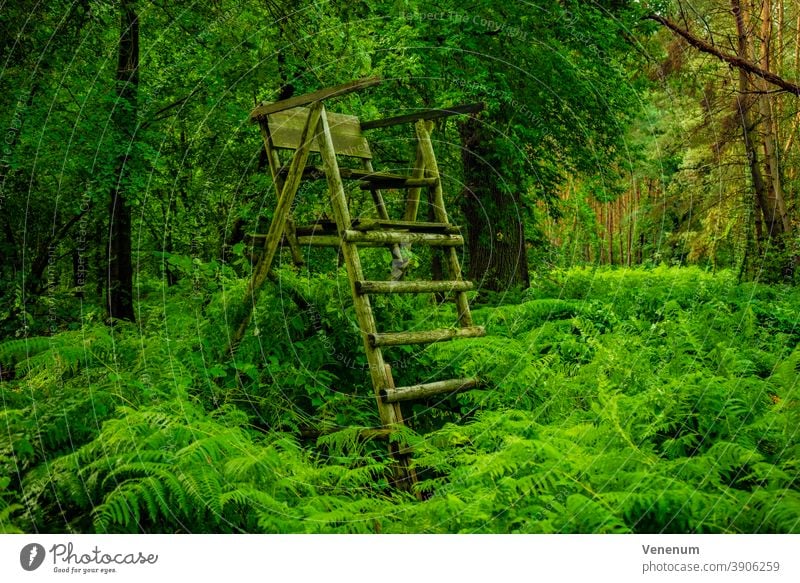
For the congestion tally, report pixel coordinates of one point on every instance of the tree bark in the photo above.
(779, 223)
(120, 265)
(743, 107)
(495, 231)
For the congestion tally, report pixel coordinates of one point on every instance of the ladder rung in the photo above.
(328, 227)
(412, 226)
(426, 390)
(319, 241)
(411, 287)
(369, 178)
(375, 182)
(425, 336)
(378, 178)
(394, 237)
(334, 241)
(322, 226)
(323, 239)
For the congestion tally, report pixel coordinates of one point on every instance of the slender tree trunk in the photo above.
(495, 230)
(120, 265)
(632, 208)
(610, 231)
(778, 224)
(621, 231)
(787, 146)
(600, 225)
(743, 106)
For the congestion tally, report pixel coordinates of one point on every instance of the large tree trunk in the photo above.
(120, 267)
(495, 229)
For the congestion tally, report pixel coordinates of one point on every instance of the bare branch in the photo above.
(706, 47)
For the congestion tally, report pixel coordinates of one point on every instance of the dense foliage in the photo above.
(661, 400)
(629, 202)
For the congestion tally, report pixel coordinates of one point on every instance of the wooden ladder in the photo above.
(290, 125)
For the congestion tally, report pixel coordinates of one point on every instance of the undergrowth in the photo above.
(662, 400)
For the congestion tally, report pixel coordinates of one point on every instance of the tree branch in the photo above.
(161, 113)
(706, 47)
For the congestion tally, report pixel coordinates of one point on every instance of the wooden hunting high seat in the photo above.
(302, 125)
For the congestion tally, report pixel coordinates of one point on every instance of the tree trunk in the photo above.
(495, 231)
(120, 265)
(778, 224)
(610, 230)
(743, 106)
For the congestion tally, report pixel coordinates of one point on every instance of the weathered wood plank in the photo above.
(423, 114)
(308, 98)
(411, 287)
(286, 127)
(426, 390)
(424, 336)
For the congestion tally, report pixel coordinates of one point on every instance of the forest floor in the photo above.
(616, 400)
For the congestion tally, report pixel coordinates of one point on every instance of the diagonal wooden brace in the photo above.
(290, 186)
(278, 224)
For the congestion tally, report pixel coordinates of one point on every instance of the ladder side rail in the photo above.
(424, 128)
(366, 319)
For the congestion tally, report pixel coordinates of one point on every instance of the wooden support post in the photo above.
(277, 179)
(398, 263)
(412, 199)
(288, 193)
(404, 475)
(291, 239)
(432, 170)
(424, 129)
(273, 158)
